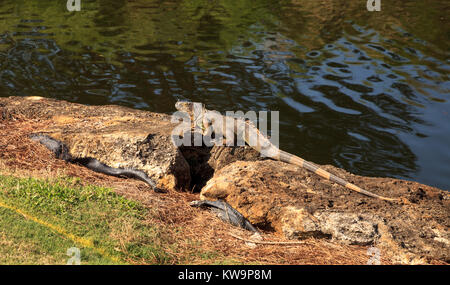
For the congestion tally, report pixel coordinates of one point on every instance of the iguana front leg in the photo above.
(221, 126)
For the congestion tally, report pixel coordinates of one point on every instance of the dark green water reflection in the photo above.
(368, 92)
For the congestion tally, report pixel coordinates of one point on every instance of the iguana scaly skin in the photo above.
(204, 119)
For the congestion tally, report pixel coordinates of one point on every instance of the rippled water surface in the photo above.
(368, 92)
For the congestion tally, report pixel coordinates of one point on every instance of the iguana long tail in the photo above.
(290, 158)
(265, 147)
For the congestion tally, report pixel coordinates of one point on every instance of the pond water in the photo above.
(365, 91)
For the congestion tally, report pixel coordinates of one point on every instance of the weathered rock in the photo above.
(114, 135)
(299, 204)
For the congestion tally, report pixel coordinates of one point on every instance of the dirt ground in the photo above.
(21, 157)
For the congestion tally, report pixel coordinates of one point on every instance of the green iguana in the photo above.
(244, 129)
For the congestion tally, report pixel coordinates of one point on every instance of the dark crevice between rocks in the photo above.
(204, 161)
(266, 227)
(200, 170)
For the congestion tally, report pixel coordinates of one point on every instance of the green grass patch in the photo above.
(41, 219)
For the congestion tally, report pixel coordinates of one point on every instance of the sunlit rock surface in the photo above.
(117, 136)
(298, 204)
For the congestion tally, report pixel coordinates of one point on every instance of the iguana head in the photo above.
(188, 107)
(194, 109)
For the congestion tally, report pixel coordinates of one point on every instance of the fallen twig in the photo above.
(268, 242)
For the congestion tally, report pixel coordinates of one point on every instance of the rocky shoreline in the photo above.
(278, 198)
